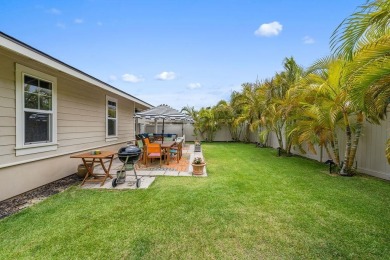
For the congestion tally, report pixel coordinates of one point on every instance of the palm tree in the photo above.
(207, 123)
(247, 102)
(281, 104)
(190, 111)
(364, 39)
(193, 113)
(336, 90)
(272, 118)
(315, 120)
(225, 115)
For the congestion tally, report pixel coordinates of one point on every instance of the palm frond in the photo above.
(370, 20)
(369, 78)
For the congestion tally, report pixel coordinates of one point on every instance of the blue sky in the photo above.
(177, 52)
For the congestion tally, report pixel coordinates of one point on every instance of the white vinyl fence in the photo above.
(370, 157)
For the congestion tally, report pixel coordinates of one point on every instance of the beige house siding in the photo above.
(81, 126)
(24, 177)
(7, 109)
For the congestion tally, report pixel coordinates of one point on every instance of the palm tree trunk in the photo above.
(288, 143)
(279, 134)
(345, 170)
(267, 137)
(288, 146)
(240, 132)
(336, 150)
(202, 134)
(359, 126)
(328, 151)
(280, 138)
(232, 131)
(247, 133)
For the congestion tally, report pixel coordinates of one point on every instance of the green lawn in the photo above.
(253, 205)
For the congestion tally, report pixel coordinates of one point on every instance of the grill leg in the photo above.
(137, 181)
(135, 172)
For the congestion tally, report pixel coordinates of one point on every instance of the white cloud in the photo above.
(308, 40)
(194, 85)
(61, 25)
(166, 75)
(113, 77)
(78, 20)
(131, 78)
(179, 99)
(54, 11)
(269, 29)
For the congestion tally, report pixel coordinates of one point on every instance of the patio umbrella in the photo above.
(163, 112)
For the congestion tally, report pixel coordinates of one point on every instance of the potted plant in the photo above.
(82, 171)
(197, 166)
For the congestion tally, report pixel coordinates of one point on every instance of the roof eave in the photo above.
(19, 47)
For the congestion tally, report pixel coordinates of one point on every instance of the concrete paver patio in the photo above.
(147, 174)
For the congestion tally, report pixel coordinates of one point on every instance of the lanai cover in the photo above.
(163, 112)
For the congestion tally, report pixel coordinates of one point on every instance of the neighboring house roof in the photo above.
(17, 46)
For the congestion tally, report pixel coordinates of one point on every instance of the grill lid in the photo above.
(129, 154)
(129, 150)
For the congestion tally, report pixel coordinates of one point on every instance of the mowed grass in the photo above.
(252, 205)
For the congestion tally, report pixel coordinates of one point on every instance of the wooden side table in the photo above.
(89, 165)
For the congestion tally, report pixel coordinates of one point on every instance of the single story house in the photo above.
(49, 111)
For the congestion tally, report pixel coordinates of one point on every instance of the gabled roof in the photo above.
(163, 112)
(19, 47)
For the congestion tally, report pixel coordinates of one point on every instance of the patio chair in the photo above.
(146, 141)
(177, 151)
(152, 152)
(168, 138)
(158, 137)
(140, 145)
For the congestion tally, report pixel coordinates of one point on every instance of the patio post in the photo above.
(163, 131)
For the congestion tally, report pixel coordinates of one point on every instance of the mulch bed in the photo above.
(17, 203)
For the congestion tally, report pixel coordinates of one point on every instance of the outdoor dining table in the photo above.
(89, 165)
(166, 146)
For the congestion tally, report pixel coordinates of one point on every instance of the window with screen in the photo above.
(112, 117)
(36, 116)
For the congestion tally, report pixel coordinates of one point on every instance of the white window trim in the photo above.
(22, 148)
(110, 138)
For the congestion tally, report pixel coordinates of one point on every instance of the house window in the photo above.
(36, 117)
(37, 110)
(112, 117)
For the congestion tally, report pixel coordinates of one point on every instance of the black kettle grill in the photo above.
(129, 155)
